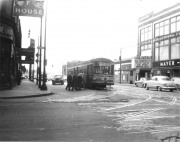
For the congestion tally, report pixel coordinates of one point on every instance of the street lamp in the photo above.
(44, 87)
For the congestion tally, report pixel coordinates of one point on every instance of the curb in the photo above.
(30, 96)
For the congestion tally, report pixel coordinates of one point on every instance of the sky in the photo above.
(86, 29)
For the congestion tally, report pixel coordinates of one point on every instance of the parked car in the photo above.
(58, 79)
(176, 80)
(160, 83)
(141, 82)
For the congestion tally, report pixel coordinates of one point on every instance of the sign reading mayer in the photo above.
(33, 8)
(169, 63)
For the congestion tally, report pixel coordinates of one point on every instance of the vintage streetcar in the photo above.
(96, 73)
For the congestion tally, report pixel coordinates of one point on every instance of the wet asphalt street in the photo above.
(124, 114)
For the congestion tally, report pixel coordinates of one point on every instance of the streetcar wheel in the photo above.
(159, 88)
(147, 88)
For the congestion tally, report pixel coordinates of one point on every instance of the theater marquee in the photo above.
(32, 8)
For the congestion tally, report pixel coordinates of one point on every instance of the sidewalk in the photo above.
(27, 89)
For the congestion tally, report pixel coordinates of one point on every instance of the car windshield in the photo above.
(165, 78)
(58, 76)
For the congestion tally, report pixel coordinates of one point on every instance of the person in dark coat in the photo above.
(69, 82)
(75, 82)
(80, 80)
(19, 74)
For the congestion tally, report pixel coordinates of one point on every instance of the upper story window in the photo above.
(167, 26)
(145, 34)
(175, 24)
(162, 28)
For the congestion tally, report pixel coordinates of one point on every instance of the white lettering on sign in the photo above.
(167, 63)
(29, 11)
(33, 8)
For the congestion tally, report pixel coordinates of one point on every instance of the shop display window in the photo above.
(164, 53)
(156, 54)
(175, 51)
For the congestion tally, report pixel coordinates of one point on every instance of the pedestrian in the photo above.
(19, 77)
(74, 82)
(69, 82)
(80, 81)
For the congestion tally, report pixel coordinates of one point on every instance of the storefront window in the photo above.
(164, 53)
(156, 54)
(175, 51)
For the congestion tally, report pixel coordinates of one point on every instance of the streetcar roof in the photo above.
(102, 60)
(88, 62)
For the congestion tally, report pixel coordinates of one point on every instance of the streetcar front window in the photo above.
(101, 70)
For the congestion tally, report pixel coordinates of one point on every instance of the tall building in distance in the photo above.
(159, 37)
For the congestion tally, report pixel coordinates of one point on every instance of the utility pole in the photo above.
(44, 86)
(30, 65)
(120, 67)
(40, 55)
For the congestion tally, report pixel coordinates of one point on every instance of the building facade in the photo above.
(159, 38)
(126, 70)
(10, 41)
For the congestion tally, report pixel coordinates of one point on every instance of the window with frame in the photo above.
(162, 28)
(146, 50)
(145, 34)
(161, 50)
(175, 48)
(175, 24)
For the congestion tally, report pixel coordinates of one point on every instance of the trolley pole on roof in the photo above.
(120, 67)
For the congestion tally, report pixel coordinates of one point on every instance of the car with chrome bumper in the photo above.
(141, 82)
(58, 79)
(160, 83)
(176, 80)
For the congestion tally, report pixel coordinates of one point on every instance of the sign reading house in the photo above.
(32, 8)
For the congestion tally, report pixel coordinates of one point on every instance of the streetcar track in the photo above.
(131, 104)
